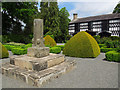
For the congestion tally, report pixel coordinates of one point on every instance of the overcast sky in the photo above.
(91, 8)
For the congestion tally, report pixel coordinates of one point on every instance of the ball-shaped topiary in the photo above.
(49, 41)
(3, 51)
(82, 45)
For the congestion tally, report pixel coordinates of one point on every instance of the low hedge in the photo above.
(113, 56)
(104, 50)
(9, 47)
(55, 50)
(13, 43)
(19, 51)
(102, 45)
(61, 46)
(28, 45)
(118, 50)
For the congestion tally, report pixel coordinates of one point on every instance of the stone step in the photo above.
(36, 78)
(37, 64)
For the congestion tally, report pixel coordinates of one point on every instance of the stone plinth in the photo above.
(38, 52)
(36, 78)
(37, 64)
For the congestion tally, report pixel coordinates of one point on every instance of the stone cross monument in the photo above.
(38, 33)
(38, 48)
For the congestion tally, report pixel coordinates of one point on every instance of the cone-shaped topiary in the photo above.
(82, 45)
(3, 51)
(49, 41)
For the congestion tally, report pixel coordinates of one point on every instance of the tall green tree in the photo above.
(44, 14)
(49, 12)
(117, 8)
(64, 21)
(54, 20)
(15, 14)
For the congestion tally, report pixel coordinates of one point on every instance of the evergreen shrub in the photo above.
(115, 38)
(104, 50)
(49, 41)
(82, 45)
(113, 56)
(9, 47)
(55, 50)
(102, 45)
(61, 46)
(19, 51)
(3, 51)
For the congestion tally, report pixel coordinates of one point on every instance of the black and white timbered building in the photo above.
(103, 23)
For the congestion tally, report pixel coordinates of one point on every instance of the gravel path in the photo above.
(88, 73)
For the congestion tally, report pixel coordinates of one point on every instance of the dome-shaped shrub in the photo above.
(49, 41)
(3, 51)
(82, 45)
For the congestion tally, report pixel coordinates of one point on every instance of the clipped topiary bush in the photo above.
(82, 45)
(49, 41)
(3, 51)
(113, 56)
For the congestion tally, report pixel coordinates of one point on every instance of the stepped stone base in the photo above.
(36, 78)
(37, 64)
(38, 51)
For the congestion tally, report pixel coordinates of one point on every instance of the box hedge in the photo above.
(61, 46)
(19, 51)
(102, 45)
(104, 50)
(28, 45)
(113, 56)
(55, 50)
(14, 43)
(82, 45)
(49, 41)
(9, 47)
(3, 51)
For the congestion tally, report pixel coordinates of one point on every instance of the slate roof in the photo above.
(96, 18)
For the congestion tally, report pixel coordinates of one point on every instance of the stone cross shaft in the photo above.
(38, 48)
(38, 40)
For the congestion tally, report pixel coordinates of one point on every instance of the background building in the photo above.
(109, 23)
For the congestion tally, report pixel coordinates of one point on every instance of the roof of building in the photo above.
(96, 18)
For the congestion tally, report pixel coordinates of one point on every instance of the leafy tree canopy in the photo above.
(64, 21)
(13, 13)
(117, 8)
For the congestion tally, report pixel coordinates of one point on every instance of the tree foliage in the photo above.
(117, 8)
(50, 14)
(64, 21)
(17, 20)
(44, 14)
(55, 21)
(17, 14)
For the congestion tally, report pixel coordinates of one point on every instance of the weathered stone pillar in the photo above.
(38, 33)
(38, 48)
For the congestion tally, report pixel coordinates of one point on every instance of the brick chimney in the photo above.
(75, 16)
